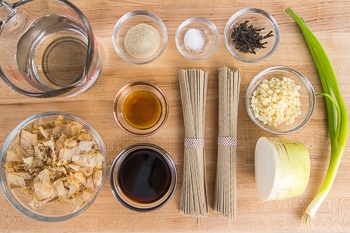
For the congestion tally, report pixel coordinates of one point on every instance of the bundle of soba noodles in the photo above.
(225, 200)
(193, 88)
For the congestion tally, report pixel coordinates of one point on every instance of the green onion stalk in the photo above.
(336, 114)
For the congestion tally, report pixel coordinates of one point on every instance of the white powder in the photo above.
(142, 41)
(194, 40)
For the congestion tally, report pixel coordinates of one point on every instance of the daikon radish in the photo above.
(282, 168)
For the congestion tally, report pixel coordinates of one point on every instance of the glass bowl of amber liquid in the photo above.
(53, 186)
(251, 35)
(140, 108)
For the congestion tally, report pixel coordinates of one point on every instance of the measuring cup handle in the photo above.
(8, 10)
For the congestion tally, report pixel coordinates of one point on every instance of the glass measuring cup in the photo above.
(47, 48)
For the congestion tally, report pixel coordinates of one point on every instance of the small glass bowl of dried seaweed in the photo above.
(251, 35)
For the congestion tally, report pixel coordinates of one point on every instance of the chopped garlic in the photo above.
(276, 101)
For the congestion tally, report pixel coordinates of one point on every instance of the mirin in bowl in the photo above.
(140, 108)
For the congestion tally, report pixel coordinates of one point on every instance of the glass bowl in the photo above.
(197, 38)
(306, 92)
(143, 177)
(57, 210)
(138, 21)
(258, 19)
(140, 108)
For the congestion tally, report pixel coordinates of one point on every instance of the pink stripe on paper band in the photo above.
(194, 142)
(227, 141)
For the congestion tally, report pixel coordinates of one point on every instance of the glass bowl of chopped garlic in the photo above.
(280, 100)
(139, 37)
(54, 166)
(197, 38)
(251, 35)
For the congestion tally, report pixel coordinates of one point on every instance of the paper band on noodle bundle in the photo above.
(194, 142)
(227, 141)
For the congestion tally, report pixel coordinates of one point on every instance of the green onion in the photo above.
(336, 114)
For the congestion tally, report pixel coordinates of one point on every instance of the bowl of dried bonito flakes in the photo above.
(54, 165)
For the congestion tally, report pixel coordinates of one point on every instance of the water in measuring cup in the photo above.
(52, 52)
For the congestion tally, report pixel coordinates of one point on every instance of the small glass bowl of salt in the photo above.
(197, 38)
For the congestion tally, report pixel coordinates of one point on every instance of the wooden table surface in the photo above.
(330, 22)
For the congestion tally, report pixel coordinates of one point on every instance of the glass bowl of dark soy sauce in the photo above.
(143, 177)
(251, 35)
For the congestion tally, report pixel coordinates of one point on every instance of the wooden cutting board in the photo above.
(330, 22)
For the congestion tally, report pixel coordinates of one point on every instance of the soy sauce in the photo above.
(144, 176)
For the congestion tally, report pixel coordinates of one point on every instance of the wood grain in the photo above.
(330, 22)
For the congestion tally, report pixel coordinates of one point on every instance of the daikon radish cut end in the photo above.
(282, 168)
(265, 168)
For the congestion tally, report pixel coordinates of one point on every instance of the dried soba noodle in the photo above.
(193, 88)
(225, 200)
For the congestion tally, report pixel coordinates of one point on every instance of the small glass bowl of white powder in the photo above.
(197, 38)
(139, 37)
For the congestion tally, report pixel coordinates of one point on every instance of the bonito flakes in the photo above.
(56, 161)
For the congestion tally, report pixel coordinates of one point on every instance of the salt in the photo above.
(194, 40)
